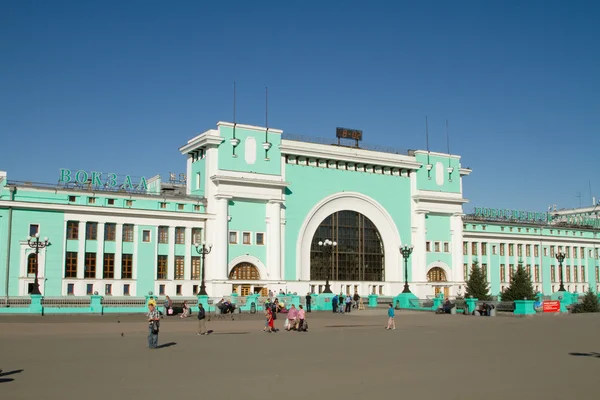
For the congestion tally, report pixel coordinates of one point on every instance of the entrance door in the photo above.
(437, 291)
(446, 292)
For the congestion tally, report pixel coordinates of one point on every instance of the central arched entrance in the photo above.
(359, 254)
(437, 276)
(245, 271)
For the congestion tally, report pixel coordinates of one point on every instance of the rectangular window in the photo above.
(575, 274)
(179, 267)
(108, 289)
(146, 235)
(494, 250)
(196, 207)
(582, 252)
(179, 235)
(484, 249)
(196, 235)
(127, 232)
(111, 202)
(90, 265)
(465, 248)
(260, 239)
(536, 250)
(89, 289)
(91, 231)
(545, 252)
(127, 266)
(474, 248)
(178, 290)
(446, 247)
(575, 252)
(528, 269)
(552, 251)
(567, 252)
(163, 234)
(161, 290)
(484, 271)
(233, 239)
(582, 273)
(528, 250)
(502, 273)
(128, 203)
(110, 232)
(437, 247)
(72, 199)
(246, 237)
(198, 180)
(72, 230)
(501, 249)
(466, 271)
(161, 267)
(34, 229)
(163, 205)
(520, 250)
(511, 271)
(194, 290)
(537, 273)
(71, 264)
(511, 249)
(70, 289)
(553, 273)
(109, 266)
(195, 268)
(597, 274)
(568, 272)
(427, 246)
(91, 200)
(126, 290)
(180, 207)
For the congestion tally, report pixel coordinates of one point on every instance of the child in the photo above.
(391, 323)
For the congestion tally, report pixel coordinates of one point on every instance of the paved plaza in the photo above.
(342, 356)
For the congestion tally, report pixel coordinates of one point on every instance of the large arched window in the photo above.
(31, 260)
(358, 255)
(244, 272)
(436, 274)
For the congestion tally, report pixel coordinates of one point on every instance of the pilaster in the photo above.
(81, 250)
(100, 251)
(118, 250)
(221, 240)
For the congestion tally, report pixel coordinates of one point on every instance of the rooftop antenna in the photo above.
(450, 169)
(590, 186)
(579, 195)
(429, 166)
(234, 140)
(266, 144)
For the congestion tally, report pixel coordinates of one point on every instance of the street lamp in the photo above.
(406, 251)
(203, 250)
(327, 249)
(34, 243)
(560, 256)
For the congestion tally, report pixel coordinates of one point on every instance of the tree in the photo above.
(477, 285)
(520, 287)
(590, 303)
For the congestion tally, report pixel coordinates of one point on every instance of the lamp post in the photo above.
(34, 243)
(327, 249)
(203, 250)
(560, 256)
(406, 251)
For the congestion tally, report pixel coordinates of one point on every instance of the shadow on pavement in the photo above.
(596, 355)
(163, 346)
(4, 380)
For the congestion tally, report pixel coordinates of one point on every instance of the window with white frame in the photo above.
(233, 237)
(246, 237)
(446, 247)
(260, 238)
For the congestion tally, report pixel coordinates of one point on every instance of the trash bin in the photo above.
(253, 308)
(493, 312)
(453, 310)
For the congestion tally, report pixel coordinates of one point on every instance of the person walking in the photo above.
(153, 325)
(308, 301)
(301, 318)
(201, 320)
(391, 323)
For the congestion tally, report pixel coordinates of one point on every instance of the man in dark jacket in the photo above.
(201, 320)
(308, 302)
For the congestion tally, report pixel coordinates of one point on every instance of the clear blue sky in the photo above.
(118, 86)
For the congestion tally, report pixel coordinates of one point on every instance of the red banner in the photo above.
(551, 306)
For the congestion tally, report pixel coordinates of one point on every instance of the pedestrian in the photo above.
(308, 301)
(153, 325)
(301, 318)
(334, 304)
(348, 303)
(201, 320)
(391, 323)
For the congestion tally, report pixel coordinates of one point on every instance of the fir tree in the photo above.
(520, 287)
(590, 303)
(477, 286)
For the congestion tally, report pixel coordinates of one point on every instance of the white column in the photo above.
(118, 250)
(100, 251)
(418, 258)
(221, 239)
(81, 251)
(171, 256)
(456, 234)
(187, 263)
(274, 263)
(134, 256)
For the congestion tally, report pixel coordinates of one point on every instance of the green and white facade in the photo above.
(261, 200)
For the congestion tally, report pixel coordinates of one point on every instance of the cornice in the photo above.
(250, 127)
(207, 139)
(220, 179)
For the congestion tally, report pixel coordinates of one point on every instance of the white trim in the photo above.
(262, 269)
(355, 202)
(250, 127)
(442, 265)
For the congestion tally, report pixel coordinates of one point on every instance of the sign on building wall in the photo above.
(101, 181)
(511, 215)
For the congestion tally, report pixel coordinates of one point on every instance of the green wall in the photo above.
(146, 260)
(248, 216)
(270, 166)
(438, 230)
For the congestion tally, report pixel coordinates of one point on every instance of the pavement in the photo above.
(341, 356)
